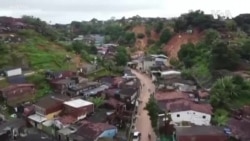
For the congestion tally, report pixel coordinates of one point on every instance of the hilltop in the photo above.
(22, 45)
(50, 44)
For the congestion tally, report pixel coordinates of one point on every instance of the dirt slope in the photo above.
(143, 43)
(140, 43)
(173, 46)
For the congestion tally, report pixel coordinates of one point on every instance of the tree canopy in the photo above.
(79, 46)
(153, 111)
(165, 36)
(223, 57)
(229, 91)
(122, 56)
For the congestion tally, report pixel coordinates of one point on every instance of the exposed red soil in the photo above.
(174, 45)
(140, 43)
(154, 36)
(143, 43)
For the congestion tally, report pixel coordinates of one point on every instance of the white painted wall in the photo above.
(191, 116)
(81, 117)
(184, 87)
(161, 60)
(139, 65)
(147, 65)
(14, 72)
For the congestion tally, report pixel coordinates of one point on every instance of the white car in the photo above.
(136, 136)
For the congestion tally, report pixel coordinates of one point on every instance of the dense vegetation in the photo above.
(153, 110)
(35, 52)
(213, 61)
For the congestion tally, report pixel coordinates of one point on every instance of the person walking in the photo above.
(149, 136)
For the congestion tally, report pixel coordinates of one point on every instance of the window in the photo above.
(178, 115)
(203, 117)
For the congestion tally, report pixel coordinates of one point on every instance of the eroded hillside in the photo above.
(174, 45)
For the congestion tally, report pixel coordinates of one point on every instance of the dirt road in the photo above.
(143, 123)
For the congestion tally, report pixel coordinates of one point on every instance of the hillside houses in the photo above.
(9, 27)
(154, 62)
(97, 40)
(17, 94)
(70, 110)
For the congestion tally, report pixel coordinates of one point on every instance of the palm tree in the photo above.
(223, 91)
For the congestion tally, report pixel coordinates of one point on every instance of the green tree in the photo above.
(165, 36)
(211, 35)
(245, 50)
(42, 86)
(122, 56)
(129, 38)
(223, 57)
(153, 111)
(42, 27)
(159, 26)
(195, 19)
(223, 92)
(115, 31)
(187, 54)
(3, 48)
(175, 62)
(180, 24)
(98, 101)
(77, 46)
(231, 25)
(221, 117)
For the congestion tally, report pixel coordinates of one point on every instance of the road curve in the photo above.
(143, 123)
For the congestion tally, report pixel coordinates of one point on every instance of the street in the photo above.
(143, 123)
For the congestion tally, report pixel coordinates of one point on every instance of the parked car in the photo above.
(136, 136)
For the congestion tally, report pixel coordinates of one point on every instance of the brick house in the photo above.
(17, 94)
(74, 110)
(47, 108)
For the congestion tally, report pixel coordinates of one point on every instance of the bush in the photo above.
(165, 36)
(150, 41)
(140, 35)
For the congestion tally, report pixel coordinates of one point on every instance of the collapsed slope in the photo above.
(174, 45)
(143, 43)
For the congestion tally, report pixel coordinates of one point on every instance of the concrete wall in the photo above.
(194, 117)
(147, 65)
(14, 72)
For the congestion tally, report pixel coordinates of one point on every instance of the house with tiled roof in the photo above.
(46, 109)
(93, 131)
(17, 94)
(188, 111)
(183, 109)
(239, 128)
(200, 133)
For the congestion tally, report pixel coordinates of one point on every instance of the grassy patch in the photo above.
(44, 55)
(101, 73)
(42, 85)
(3, 83)
(38, 52)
